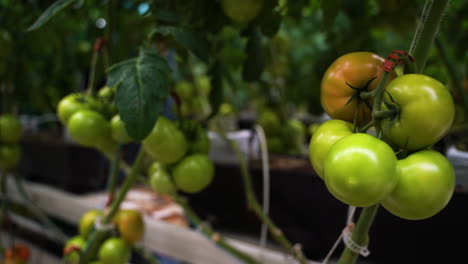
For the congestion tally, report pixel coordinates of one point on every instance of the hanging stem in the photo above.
(426, 31)
(113, 172)
(214, 236)
(456, 80)
(92, 72)
(37, 211)
(255, 207)
(98, 236)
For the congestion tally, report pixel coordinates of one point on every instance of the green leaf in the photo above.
(143, 85)
(330, 10)
(192, 40)
(54, 9)
(216, 94)
(255, 61)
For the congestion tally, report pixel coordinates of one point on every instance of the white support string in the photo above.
(266, 184)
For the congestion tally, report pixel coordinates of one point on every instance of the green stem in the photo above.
(214, 236)
(98, 236)
(92, 72)
(114, 171)
(255, 207)
(377, 106)
(456, 80)
(360, 234)
(426, 31)
(37, 211)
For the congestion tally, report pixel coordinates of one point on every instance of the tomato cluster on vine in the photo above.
(180, 153)
(10, 135)
(128, 229)
(93, 121)
(393, 164)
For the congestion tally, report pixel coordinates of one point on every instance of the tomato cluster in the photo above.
(180, 156)
(17, 254)
(360, 169)
(281, 138)
(115, 249)
(194, 96)
(10, 135)
(92, 121)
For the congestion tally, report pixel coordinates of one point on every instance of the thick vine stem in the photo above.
(214, 236)
(360, 233)
(426, 31)
(255, 207)
(98, 236)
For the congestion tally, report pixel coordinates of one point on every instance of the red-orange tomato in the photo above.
(18, 252)
(355, 69)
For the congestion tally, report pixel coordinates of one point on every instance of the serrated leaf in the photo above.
(255, 61)
(143, 86)
(192, 40)
(216, 94)
(54, 9)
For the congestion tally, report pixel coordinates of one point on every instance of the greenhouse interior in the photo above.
(233, 131)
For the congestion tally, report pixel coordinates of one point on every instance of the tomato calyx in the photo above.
(362, 93)
(71, 248)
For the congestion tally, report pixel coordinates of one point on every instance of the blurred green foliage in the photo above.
(275, 60)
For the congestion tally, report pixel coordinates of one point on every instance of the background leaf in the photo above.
(143, 88)
(189, 39)
(255, 61)
(54, 9)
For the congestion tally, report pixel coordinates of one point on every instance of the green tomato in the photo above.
(87, 222)
(106, 93)
(204, 84)
(71, 104)
(114, 251)
(184, 90)
(326, 135)
(161, 182)
(360, 170)
(130, 224)
(426, 185)
(89, 128)
(10, 129)
(426, 112)
(270, 122)
(242, 11)
(166, 143)
(154, 167)
(295, 133)
(275, 144)
(194, 173)
(201, 144)
(10, 155)
(77, 241)
(119, 132)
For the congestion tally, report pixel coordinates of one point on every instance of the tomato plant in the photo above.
(426, 112)
(161, 182)
(360, 170)
(88, 128)
(10, 129)
(78, 242)
(425, 186)
(114, 251)
(194, 173)
(324, 137)
(242, 11)
(119, 132)
(87, 222)
(341, 84)
(71, 104)
(130, 225)
(166, 143)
